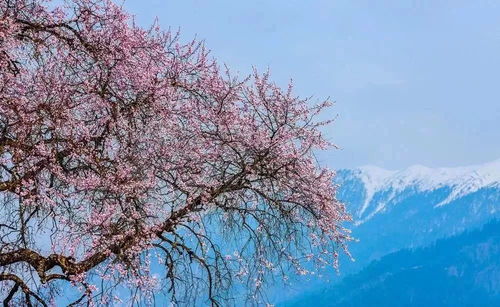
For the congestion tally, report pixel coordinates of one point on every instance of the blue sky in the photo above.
(415, 82)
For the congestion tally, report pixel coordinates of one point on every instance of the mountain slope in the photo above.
(460, 271)
(411, 208)
(414, 207)
(380, 187)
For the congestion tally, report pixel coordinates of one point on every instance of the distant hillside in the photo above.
(379, 189)
(416, 206)
(463, 270)
(410, 208)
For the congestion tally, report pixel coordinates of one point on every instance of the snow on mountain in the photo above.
(415, 206)
(411, 208)
(389, 184)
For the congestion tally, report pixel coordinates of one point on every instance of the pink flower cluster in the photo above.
(120, 133)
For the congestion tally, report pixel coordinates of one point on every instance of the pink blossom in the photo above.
(118, 141)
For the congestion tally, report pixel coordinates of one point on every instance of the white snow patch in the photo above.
(462, 180)
(374, 179)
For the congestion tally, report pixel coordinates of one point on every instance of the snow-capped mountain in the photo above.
(416, 206)
(410, 208)
(381, 186)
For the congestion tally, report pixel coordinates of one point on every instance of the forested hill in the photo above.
(462, 270)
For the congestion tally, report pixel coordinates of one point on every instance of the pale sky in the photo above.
(415, 82)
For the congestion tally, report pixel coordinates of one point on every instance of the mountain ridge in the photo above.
(461, 270)
(461, 180)
(407, 209)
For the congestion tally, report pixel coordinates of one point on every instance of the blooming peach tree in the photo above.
(130, 160)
